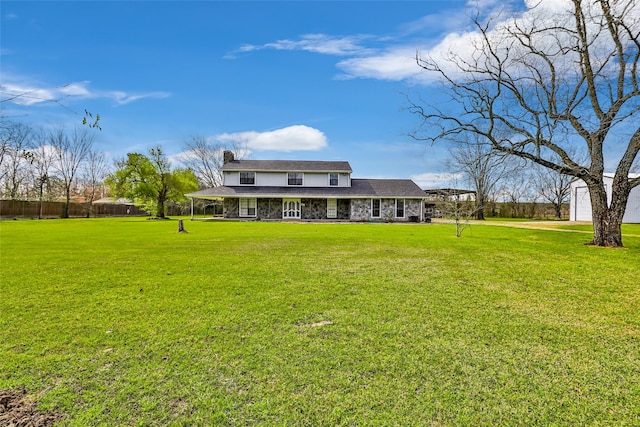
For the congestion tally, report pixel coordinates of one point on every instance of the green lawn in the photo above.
(629, 229)
(127, 322)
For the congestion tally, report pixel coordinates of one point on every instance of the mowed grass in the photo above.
(127, 322)
(627, 229)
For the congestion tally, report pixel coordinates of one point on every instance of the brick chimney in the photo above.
(227, 156)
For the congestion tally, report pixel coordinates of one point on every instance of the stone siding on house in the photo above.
(313, 208)
(316, 209)
(360, 209)
(412, 208)
(265, 208)
(231, 208)
(388, 210)
(269, 208)
(344, 209)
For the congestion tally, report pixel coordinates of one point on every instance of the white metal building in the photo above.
(580, 205)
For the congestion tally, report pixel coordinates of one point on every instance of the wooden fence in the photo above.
(31, 209)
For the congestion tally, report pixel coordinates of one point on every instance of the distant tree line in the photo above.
(64, 165)
(506, 186)
(50, 165)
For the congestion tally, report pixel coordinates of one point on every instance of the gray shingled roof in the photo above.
(360, 188)
(287, 166)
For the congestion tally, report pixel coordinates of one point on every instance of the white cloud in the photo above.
(447, 20)
(395, 64)
(466, 46)
(76, 89)
(317, 43)
(429, 181)
(122, 98)
(368, 57)
(31, 93)
(375, 57)
(292, 138)
(25, 95)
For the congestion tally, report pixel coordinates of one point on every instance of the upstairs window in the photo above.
(247, 178)
(333, 179)
(294, 178)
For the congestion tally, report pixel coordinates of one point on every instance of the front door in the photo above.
(291, 208)
(332, 208)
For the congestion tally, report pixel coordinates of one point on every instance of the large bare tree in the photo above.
(41, 158)
(70, 151)
(16, 141)
(540, 84)
(92, 175)
(482, 168)
(553, 187)
(204, 157)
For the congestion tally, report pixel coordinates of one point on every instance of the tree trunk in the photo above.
(160, 207)
(607, 220)
(480, 211)
(40, 199)
(65, 211)
(558, 207)
(607, 231)
(480, 214)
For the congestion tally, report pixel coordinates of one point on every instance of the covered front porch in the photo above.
(276, 208)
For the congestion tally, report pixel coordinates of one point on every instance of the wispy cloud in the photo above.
(317, 43)
(291, 138)
(437, 36)
(396, 63)
(362, 61)
(122, 98)
(383, 57)
(32, 94)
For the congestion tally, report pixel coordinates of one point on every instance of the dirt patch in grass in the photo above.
(322, 323)
(18, 410)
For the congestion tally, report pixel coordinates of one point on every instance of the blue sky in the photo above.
(293, 80)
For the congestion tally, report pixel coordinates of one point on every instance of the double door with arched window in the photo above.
(291, 208)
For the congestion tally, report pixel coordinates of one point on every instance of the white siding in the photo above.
(231, 178)
(271, 179)
(580, 204)
(279, 179)
(316, 179)
(632, 214)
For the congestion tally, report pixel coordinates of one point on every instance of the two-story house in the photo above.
(311, 190)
